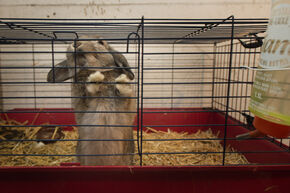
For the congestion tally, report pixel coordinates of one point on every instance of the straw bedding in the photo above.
(33, 147)
(68, 147)
(206, 149)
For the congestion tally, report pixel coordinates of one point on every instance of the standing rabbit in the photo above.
(90, 84)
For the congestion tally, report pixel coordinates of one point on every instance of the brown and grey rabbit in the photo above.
(90, 83)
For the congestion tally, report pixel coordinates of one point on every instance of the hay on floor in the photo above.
(205, 150)
(34, 147)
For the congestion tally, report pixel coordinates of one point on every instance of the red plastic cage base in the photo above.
(268, 179)
(203, 117)
(271, 176)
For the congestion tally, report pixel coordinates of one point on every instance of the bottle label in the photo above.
(270, 99)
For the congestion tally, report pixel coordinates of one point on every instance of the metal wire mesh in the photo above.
(181, 66)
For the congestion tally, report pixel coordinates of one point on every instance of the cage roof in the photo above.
(153, 31)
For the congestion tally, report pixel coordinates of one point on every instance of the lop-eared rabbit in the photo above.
(89, 83)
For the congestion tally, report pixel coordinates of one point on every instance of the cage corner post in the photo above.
(232, 21)
(141, 80)
(213, 90)
(1, 90)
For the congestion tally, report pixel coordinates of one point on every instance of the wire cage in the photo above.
(191, 76)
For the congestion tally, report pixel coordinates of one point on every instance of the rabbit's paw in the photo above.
(124, 89)
(94, 77)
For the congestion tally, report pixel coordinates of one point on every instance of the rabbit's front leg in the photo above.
(96, 78)
(124, 89)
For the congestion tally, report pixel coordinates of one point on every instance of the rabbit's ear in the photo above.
(121, 61)
(61, 72)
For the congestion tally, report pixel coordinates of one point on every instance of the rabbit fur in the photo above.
(90, 85)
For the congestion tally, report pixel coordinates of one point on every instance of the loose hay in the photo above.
(32, 147)
(205, 147)
(69, 148)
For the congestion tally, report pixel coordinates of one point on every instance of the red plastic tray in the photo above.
(271, 176)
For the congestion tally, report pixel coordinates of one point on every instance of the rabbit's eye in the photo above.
(101, 42)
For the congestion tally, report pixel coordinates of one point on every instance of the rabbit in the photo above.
(93, 86)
